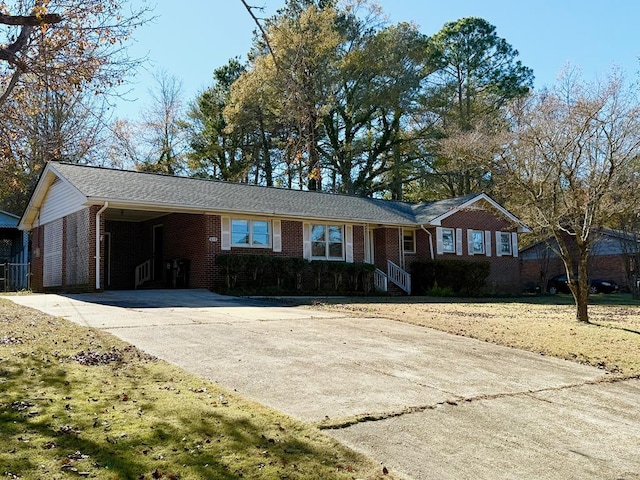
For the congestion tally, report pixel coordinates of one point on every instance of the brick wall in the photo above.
(504, 276)
(185, 237)
(386, 243)
(423, 249)
(292, 246)
(358, 243)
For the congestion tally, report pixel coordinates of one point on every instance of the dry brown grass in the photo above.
(611, 341)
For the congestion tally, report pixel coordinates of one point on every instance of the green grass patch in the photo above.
(77, 402)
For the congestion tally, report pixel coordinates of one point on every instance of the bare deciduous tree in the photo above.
(562, 166)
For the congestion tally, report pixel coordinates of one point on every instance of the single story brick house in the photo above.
(612, 252)
(96, 228)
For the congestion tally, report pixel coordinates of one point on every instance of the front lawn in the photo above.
(77, 402)
(542, 324)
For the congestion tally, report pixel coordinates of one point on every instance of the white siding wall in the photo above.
(61, 200)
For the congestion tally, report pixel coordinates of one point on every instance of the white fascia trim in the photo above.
(522, 228)
(47, 177)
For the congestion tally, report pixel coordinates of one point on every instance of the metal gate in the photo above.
(15, 277)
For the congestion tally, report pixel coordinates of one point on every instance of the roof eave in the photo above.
(522, 228)
(47, 177)
(185, 208)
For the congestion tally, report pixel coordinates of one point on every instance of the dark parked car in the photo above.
(559, 284)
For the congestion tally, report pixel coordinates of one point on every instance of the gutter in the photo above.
(98, 216)
(430, 241)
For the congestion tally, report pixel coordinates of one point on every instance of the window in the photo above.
(505, 243)
(250, 233)
(327, 241)
(477, 241)
(448, 240)
(409, 241)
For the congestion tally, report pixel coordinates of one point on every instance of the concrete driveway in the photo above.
(427, 404)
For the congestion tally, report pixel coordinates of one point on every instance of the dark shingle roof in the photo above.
(174, 192)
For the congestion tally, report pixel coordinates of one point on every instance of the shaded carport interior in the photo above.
(135, 236)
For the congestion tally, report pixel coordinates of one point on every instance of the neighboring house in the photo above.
(14, 249)
(610, 256)
(138, 223)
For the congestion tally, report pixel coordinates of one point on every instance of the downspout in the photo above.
(98, 215)
(430, 241)
(401, 249)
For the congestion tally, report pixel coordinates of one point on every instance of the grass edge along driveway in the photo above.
(544, 325)
(76, 401)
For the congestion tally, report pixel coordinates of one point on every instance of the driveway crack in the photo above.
(338, 424)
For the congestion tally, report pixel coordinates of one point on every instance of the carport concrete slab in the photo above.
(155, 308)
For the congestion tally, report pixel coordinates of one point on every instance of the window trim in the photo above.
(412, 232)
(473, 243)
(250, 225)
(508, 237)
(453, 240)
(327, 243)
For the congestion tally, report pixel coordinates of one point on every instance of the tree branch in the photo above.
(265, 37)
(30, 20)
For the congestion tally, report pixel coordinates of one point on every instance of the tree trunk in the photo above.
(581, 295)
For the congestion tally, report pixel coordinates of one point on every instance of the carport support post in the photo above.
(98, 216)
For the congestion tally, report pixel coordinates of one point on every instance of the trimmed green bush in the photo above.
(274, 275)
(460, 277)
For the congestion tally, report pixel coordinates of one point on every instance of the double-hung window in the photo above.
(448, 240)
(250, 233)
(327, 241)
(477, 242)
(409, 241)
(504, 243)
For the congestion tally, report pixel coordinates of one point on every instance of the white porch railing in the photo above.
(380, 280)
(143, 273)
(398, 276)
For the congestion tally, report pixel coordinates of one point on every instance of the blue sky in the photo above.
(189, 39)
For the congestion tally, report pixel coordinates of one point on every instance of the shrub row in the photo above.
(454, 277)
(265, 274)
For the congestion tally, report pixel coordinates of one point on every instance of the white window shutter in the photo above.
(225, 234)
(439, 243)
(498, 244)
(470, 241)
(458, 241)
(276, 226)
(487, 243)
(514, 243)
(348, 237)
(306, 241)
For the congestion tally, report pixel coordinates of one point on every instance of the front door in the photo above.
(158, 248)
